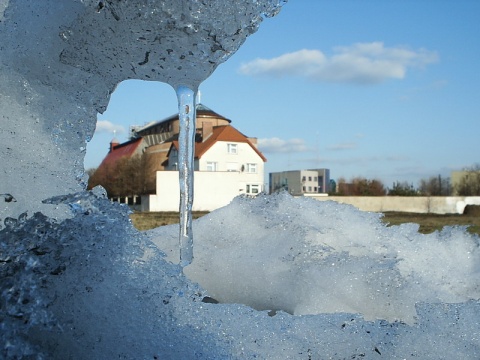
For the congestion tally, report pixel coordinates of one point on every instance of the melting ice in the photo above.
(280, 253)
(295, 279)
(92, 287)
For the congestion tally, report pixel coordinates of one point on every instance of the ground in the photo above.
(428, 222)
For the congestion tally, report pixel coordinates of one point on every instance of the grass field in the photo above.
(150, 220)
(431, 222)
(428, 222)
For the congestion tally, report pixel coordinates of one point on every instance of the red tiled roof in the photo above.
(127, 149)
(221, 133)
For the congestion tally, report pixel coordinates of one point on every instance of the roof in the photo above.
(221, 133)
(126, 149)
(201, 111)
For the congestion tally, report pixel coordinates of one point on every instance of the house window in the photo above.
(253, 189)
(315, 179)
(232, 148)
(304, 189)
(251, 168)
(309, 189)
(315, 189)
(304, 178)
(211, 166)
(309, 178)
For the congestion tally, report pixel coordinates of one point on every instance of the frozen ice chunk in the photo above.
(60, 61)
(308, 257)
(177, 42)
(71, 289)
(82, 283)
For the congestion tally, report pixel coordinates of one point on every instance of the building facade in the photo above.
(225, 161)
(301, 182)
(466, 182)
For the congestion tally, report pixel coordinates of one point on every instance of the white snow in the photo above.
(305, 257)
(79, 282)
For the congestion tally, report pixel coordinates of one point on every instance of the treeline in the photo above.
(469, 185)
(359, 186)
(125, 177)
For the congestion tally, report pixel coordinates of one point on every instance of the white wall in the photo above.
(212, 190)
(218, 153)
(415, 204)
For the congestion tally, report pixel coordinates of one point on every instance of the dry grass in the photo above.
(150, 220)
(428, 222)
(432, 222)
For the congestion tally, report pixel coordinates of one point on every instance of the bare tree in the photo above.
(126, 177)
(469, 185)
(90, 171)
(402, 189)
(360, 186)
(435, 186)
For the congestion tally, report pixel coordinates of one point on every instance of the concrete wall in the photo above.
(417, 204)
(212, 190)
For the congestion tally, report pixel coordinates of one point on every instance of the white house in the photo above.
(227, 164)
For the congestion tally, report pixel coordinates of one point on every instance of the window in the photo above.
(211, 166)
(251, 168)
(309, 189)
(315, 179)
(309, 178)
(232, 148)
(304, 178)
(315, 189)
(253, 189)
(304, 189)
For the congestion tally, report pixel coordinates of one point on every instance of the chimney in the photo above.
(113, 144)
(207, 130)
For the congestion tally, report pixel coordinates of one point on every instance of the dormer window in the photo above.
(232, 148)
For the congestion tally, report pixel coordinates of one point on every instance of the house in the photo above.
(227, 163)
(301, 182)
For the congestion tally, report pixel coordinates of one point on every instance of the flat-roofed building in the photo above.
(301, 182)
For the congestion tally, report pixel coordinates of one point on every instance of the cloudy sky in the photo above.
(385, 89)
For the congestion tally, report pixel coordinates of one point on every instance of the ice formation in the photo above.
(79, 282)
(311, 258)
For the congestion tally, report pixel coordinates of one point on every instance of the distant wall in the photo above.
(416, 204)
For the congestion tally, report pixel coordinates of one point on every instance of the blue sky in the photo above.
(383, 89)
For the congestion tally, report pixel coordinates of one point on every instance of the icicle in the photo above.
(187, 116)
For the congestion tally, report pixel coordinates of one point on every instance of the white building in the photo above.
(227, 164)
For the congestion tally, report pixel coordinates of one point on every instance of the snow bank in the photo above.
(305, 257)
(92, 287)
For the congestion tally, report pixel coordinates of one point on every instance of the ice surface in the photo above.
(79, 282)
(92, 287)
(60, 61)
(296, 255)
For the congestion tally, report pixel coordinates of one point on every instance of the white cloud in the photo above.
(343, 146)
(276, 145)
(361, 63)
(105, 126)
